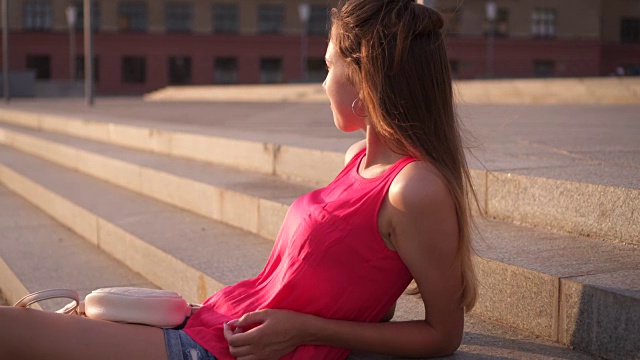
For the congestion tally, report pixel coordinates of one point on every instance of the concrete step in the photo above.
(138, 231)
(251, 201)
(596, 211)
(523, 284)
(38, 253)
(180, 251)
(257, 203)
(517, 91)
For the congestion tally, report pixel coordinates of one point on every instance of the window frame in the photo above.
(500, 26)
(37, 15)
(125, 75)
(220, 11)
(174, 78)
(273, 21)
(544, 23)
(131, 7)
(626, 37)
(318, 24)
(266, 78)
(180, 20)
(218, 69)
(30, 60)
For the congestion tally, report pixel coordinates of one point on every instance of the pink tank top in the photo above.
(328, 260)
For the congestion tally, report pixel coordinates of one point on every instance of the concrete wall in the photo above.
(21, 84)
(60, 88)
(525, 91)
(550, 91)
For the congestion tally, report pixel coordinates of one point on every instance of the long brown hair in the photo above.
(397, 58)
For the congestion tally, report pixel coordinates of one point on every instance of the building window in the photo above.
(179, 17)
(316, 69)
(318, 20)
(500, 27)
(134, 69)
(38, 15)
(544, 68)
(226, 18)
(41, 64)
(630, 30)
(270, 70)
(95, 15)
(179, 70)
(452, 18)
(80, 68)
(132, 16)
(270, 19)
(225, 70)
(543, 23)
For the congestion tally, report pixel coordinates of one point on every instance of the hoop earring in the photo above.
(353, 109)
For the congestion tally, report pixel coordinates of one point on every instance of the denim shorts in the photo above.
(181, 347)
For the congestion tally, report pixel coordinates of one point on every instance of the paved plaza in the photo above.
(597, 144)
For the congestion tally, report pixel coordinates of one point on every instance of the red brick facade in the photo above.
(202, 49)
(514, 58)
(583, 38)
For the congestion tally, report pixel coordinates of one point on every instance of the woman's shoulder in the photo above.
(421, 203)
(353, 150)
(419, 186)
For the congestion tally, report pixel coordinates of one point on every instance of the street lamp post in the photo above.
(491, 10)
(88, 54)
(72, 16)
(5, 50)
(304, 11)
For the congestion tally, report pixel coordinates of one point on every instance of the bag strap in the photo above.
(194, 308)
(52, 294)
(75, 307)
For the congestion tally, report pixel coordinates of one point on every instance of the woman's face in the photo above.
(341, 93)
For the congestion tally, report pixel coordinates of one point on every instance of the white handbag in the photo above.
(159, 308)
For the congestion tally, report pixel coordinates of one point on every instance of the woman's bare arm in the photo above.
(425, 234)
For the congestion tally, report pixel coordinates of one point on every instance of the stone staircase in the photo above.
(151, 206)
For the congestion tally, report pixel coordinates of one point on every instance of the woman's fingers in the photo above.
(227, 332)
(240, 351)
(237, 337)
(261, 335)
(237, 348)
(252, 318)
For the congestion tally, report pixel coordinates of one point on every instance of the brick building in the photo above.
(142, 45)
(543, 38)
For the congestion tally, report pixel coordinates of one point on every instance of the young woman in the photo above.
(398, 211)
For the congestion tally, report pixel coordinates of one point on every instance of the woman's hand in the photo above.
(272, 334)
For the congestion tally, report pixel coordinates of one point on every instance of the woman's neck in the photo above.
(378, 156)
